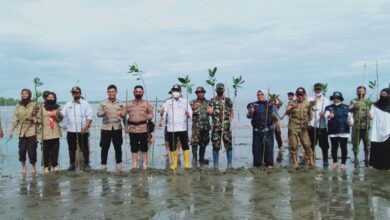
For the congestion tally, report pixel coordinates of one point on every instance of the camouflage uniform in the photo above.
(360, 119)
(200, 129)
(200, 123)
(223, 109)
(299, 116)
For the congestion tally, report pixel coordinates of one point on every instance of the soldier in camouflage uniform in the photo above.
(221, 111)
(360, 108)
(200, 125)
(299, 113)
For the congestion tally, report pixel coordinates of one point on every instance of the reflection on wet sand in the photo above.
(199, 193)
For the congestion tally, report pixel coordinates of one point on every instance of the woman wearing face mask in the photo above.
(24, 119)
(339, 122)
(380, 134)
(49, 118)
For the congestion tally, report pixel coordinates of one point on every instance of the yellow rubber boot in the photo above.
(174, 160)
(186, 154)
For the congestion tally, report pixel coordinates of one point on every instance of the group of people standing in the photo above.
(316, 120)
(310, 121)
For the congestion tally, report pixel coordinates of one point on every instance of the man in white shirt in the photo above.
(78, 117)
(317, 129)
(177, 111)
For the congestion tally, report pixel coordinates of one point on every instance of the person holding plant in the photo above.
(49, 117)
(380, 134)
(177, 110)
(299, 114)
(339, 122)
(263, 116)
(140, 112)
(78, 118)
(111, 111)
(221, 111)
(318, 131)
(24, 118)
(200, 125)
(360, 108)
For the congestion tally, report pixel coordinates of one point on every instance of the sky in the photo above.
(277, 45)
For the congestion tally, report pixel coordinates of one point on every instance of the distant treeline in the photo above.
(8, 101)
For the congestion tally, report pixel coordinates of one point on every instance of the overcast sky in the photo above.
(273, 44)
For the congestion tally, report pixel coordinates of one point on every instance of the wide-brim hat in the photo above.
(337, 94)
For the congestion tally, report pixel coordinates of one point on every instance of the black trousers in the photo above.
(80, 139)
(342, 142)
(50, 152)
(263, 148)
(28, 145)
(106, 137)
(182, 136)
(320, 136)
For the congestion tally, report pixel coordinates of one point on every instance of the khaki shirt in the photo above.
(112, 120)
(46, 132)
(25, 128)
(139, 111)
(300, 115)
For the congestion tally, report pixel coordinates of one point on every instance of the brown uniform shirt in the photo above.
(139, 112)
(112, 120)
(46, 131)
(24, 127)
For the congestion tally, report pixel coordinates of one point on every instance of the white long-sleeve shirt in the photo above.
(82, 111)
(175, 113)
(316, 120)
(380, 129)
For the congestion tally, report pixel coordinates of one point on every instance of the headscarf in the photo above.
(49, 104)
(26, 101)
(384, 101)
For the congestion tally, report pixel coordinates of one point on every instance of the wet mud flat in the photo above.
(202, 193)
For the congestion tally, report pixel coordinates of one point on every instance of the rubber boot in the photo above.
(215, 158)
(194, 154)
(186, 155)
(229, 155)
(174, 160)
(202, 151)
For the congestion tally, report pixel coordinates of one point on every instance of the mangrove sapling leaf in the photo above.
(212, 80)
(136, 72)
(324, 88)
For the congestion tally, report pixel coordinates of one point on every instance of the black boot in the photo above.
(194, 153)
(202, 151)
(72, 167)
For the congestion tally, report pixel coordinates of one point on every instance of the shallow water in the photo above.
(200, 193)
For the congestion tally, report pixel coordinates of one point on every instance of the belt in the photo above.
(264, 129)
(137, 123)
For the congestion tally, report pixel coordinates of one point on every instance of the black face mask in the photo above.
(50, 104)
(220, 93)
(138, 96)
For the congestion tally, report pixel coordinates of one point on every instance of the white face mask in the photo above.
(176, 95)
(319, 94)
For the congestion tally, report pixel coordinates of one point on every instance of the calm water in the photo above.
(200, 193)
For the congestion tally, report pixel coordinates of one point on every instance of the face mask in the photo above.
(220, 93)
(138, 96)
(176, 95)
(319, 94)
(51, 102)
